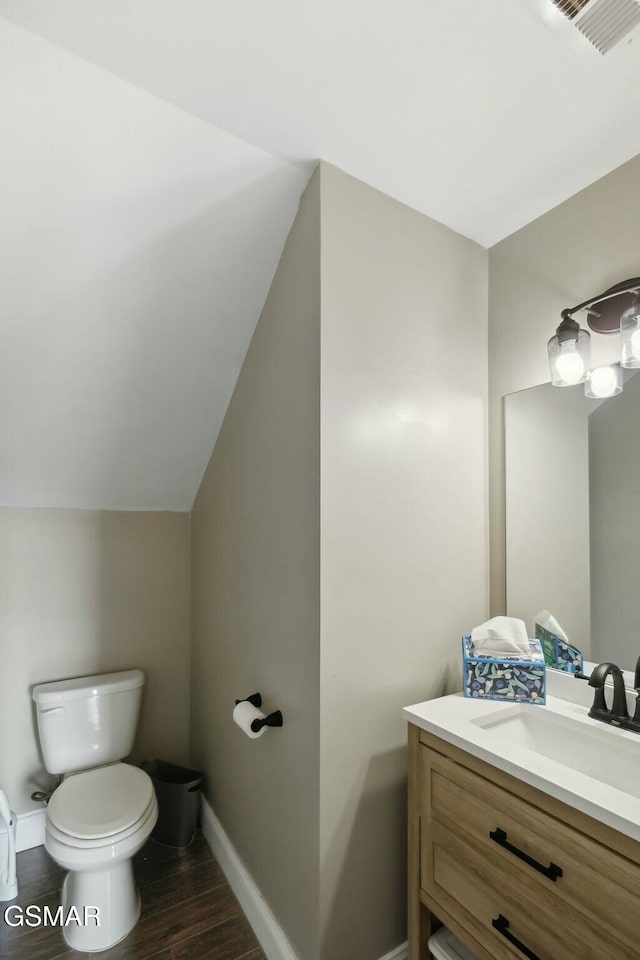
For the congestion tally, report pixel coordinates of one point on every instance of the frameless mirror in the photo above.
(572, 490)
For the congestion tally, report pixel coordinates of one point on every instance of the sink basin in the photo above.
(601, 754)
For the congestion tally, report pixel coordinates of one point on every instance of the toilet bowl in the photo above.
(104, 810)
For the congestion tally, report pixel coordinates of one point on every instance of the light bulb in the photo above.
(603, 382)
(569, 363)
(569, 354)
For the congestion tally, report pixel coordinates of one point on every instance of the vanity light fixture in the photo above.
(617, 310)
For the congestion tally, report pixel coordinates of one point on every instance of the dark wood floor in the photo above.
(188, 910)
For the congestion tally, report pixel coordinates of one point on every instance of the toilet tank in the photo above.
(88, 721)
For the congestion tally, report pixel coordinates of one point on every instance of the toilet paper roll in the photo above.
(244, 714)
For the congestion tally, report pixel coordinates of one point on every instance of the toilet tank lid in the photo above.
(76, 688)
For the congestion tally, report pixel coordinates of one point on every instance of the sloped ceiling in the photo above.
(153, 155)
(137, 244)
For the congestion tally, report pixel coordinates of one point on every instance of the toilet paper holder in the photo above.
(274, 719)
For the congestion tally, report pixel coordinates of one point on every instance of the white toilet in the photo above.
(104, 810)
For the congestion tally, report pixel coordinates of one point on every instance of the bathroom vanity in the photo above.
(524, 831)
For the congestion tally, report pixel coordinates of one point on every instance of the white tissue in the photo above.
(244, 714)
(501, 637)
(548, 622)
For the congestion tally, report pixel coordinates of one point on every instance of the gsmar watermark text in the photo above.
(35, 916)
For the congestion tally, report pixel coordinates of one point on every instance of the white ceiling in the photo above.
(473, 111)
(153, 155)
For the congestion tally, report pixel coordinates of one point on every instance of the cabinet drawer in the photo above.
(496, 906)
(529, 843)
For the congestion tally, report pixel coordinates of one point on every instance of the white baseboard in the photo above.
(30, 829)
(265, 926)
(29, 832)
(400, 953)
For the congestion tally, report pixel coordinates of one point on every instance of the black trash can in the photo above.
(178, 792)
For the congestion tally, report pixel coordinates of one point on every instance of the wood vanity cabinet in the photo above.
(513, 872)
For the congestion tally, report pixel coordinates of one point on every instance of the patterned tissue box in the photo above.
(558, 653)
(509, 680)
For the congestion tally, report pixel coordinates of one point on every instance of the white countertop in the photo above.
(458, 720)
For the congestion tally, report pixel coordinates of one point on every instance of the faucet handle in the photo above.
(578, 675)
(636, 678)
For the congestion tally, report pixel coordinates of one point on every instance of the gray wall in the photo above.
(84, 592)
(256, 593)
(582, 246)
(404, 513)
(339, 552)
(614, 468)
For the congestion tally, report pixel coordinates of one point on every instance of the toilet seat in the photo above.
(79, 844)
(76, 854)
(100, 806)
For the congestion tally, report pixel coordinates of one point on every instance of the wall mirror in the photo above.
(572, 490)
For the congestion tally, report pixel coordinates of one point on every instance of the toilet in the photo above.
(104, 810)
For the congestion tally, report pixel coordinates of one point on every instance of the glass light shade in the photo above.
(604, 382)
(630, 337)
(569, 359)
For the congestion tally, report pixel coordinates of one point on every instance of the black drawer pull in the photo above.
(501, 924)
(500, 837)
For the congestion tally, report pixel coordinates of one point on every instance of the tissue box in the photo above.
(509, 680)
(558, 653)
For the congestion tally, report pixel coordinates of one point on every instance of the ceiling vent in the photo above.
(570, 8)
(604, 23)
